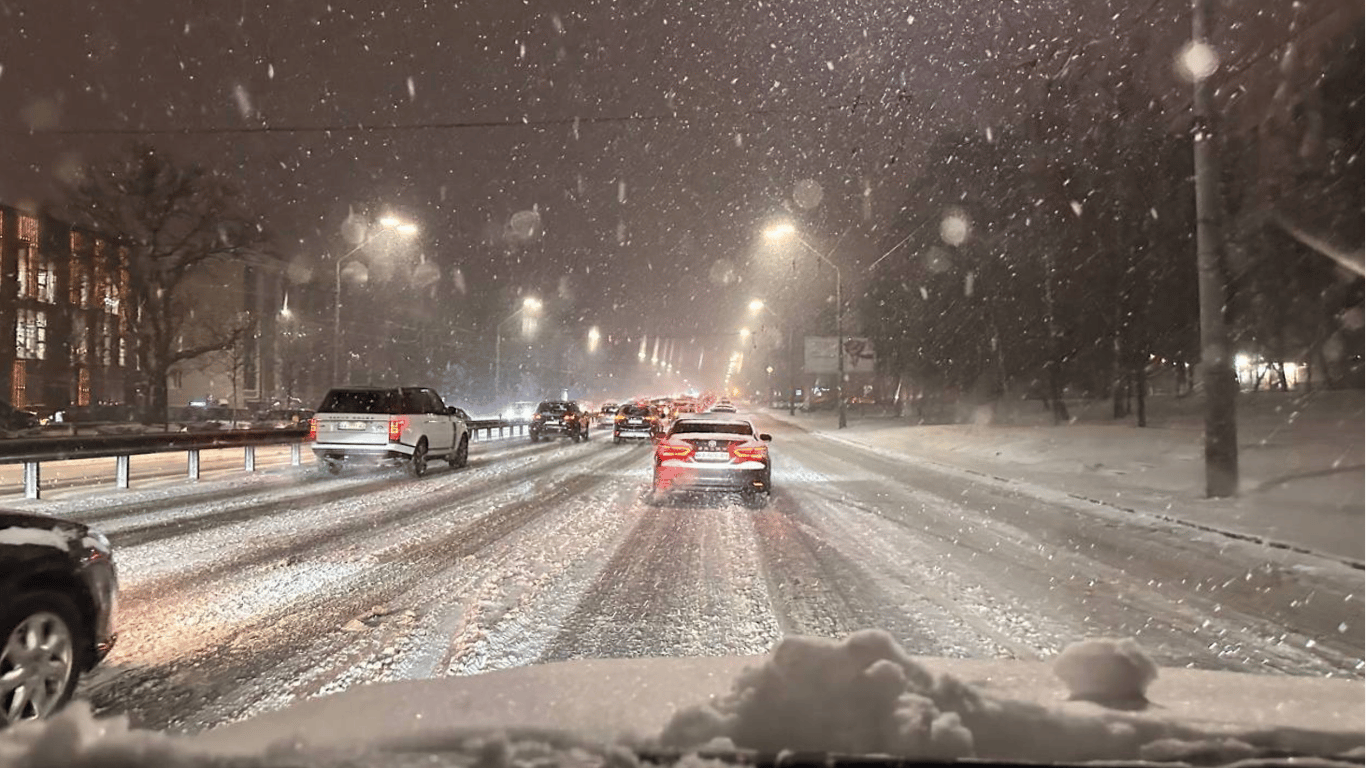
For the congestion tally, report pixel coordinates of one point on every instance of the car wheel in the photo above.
(616, 440)
(417, 466)
(332, 466)
(39, 660)
(756, 499)
(535, 438)
(461, 458)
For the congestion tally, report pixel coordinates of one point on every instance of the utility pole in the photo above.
(1220, 380)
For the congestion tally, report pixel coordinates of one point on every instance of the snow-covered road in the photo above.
(244, 593)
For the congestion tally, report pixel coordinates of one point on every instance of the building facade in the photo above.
(64, 304)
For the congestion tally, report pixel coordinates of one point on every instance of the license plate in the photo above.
(635, 421)
(712, 456)
(354, 426)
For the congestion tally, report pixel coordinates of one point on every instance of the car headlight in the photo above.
(99, 542)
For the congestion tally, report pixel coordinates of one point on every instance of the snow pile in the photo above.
(75, 739)
(864, 695)
(1107, 671)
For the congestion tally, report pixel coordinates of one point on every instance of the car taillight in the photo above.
(670, 451)
(396, 427)
(752, 453)
(536, 417)
(569, 417)
(620, 417)
(312, 429)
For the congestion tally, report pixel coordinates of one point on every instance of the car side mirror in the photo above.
(765, 436)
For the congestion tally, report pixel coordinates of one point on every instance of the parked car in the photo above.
(377, 424)
(722, 406)
(559, 418)
(713, 453)
(15, 419)
(637, 421)
(58, 590)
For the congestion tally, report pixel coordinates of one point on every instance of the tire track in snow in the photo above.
(279, 647)
(994, 548)
(685, 582)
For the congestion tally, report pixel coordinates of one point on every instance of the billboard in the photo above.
(821, 355)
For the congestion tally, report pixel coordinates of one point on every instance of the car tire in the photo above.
(535, 438)
(332, 466)
(417, 465)
(616, 440)
(57, 622)
(461, 457)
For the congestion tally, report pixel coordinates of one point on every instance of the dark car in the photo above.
(14, 419)
(559, 418)
(713, 453)
(58, 589)
(637, 421)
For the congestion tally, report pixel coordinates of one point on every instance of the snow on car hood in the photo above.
(861, 695)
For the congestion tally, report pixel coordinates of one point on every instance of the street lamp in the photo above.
(785, 230)
(386, 224)
(758, 305)
(531, 305)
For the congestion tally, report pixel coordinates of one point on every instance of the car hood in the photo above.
(604, 700)
(68, 528)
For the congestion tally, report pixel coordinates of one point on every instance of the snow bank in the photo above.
(864, 695)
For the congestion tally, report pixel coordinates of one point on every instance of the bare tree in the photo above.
(175, 220)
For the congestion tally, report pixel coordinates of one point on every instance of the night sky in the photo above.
(656, 139)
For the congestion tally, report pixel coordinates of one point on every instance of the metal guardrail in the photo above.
(32, 452)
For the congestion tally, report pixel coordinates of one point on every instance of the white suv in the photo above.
(374, 424)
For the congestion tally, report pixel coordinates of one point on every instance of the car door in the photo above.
(440, 426)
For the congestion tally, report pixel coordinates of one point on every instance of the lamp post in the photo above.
(387, 224)
(529, 304)
(757, 305)
(782, 231)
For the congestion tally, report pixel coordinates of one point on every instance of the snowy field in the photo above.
(242, 593)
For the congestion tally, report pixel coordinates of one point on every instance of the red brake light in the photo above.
(670, 451)
(752, 453)
(396, 427)
(536, 417)
(312, 429)
(569, 417)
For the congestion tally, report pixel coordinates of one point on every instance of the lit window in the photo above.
(30, 334)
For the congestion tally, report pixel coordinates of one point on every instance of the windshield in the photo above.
(382, 401)
(701, 425)
(1015, 324)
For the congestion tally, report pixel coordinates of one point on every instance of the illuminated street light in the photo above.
(531, 306)
(780, 231)
(387, 224)
(594, 336)
(785, 230)
(756, 305)
(744, 333)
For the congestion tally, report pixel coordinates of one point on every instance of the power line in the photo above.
(356, 128)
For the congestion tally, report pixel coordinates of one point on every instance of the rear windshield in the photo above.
(703, 425)
(609, 409)
(635, 410)
(553, 407)
(384, 401)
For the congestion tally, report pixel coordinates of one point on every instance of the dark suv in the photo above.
(57, 593)
(559, 418)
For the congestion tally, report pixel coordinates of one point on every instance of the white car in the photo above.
(377, 424)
